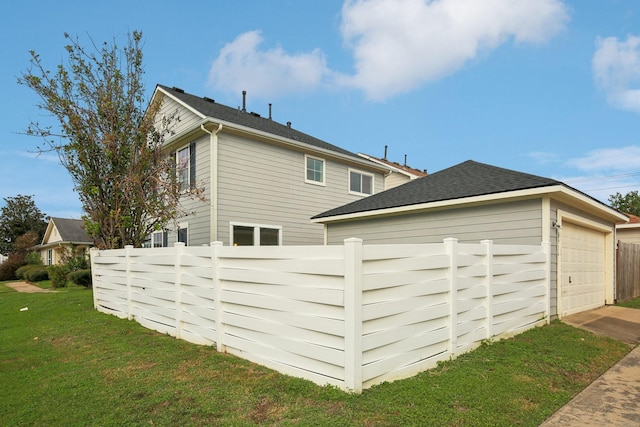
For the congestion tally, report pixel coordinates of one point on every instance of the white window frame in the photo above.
(361, 173)
(182, 226)
(256, 231)
(49, 256)
(324, 170)
(181, 169)
(154, 237)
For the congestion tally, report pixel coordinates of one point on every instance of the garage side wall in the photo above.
(518, 222)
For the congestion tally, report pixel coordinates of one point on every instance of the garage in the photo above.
(582, 268)
(473, 201)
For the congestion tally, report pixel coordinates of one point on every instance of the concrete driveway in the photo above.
(614, 398)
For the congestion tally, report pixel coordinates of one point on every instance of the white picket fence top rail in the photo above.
(351, 315)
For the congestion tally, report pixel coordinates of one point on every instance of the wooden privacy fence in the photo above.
(350, 315)
(627, 271)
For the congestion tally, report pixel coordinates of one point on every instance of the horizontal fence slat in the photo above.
(287, 307)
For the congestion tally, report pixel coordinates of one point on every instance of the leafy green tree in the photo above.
(107, 140)
(19, 216)
(629, 203)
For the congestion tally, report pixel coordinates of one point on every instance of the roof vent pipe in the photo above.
(244, 101)
(289, 125)
(269, 111)
(385, 152)
(405, 160)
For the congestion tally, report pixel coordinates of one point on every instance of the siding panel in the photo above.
(505, 223)
(264, 184)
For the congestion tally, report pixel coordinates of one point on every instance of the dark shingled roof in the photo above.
(209, 108)
(466, 179)
(72, 230)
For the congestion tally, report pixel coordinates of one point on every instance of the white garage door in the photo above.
(582, 269)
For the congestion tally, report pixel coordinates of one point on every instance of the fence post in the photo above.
(488, 247)
(451, 248)
(94, 252)
(353, 314)
(127, 263)
(546, 248)
(217, 292)
(179, 247)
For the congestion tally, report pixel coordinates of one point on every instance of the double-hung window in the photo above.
(314, 170)
(360, 182)
(185, 159)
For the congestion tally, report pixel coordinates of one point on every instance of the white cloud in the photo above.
(400, 44)
(609, 159)
(397, 45)
(241, 65)
(616, 69)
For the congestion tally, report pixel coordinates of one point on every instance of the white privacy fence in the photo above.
(352, 316)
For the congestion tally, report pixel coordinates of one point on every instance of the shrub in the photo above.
(33, 258)
(81, 277)
(36, 274)
(58, 275)
(21, 272)
(9, 267)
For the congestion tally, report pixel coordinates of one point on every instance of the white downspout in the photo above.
(213, 174)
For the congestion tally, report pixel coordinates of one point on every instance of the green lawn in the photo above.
(63, 363)
(633, 303)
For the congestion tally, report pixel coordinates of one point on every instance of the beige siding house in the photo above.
(63, 236)
(474, 201)
(262, 180)
(629, 232)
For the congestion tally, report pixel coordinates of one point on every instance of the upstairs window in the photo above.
(185, 160)
(314, 170)
(360, 183)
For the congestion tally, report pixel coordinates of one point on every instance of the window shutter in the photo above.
(165, 239)
(192, 165)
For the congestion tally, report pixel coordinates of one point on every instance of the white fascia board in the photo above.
(629, 225)
(483, 199)
(188, 107)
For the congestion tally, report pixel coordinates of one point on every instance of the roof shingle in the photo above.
(209, 108)
(466, 179)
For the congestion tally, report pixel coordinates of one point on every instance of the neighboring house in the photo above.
(63, 235)
(629, 232)
(3, 258)
(398, 174)
(262, 180)
(474, 201)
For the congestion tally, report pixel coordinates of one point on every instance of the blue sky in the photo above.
(546, 87)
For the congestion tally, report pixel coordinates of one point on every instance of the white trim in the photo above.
(584, 222)
(362, 173)
(324, 170)
(256, 231)
(187, 147)
(181, 226)
(629, 225)
(488, 198)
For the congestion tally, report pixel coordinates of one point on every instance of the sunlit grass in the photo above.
(63, 363)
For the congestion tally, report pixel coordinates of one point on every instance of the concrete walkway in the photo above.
(614, 398)
(27, 287)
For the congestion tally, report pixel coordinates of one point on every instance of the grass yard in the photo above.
(632, 303)
(63, 363)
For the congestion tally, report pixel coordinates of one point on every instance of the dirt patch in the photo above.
(26, 287)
